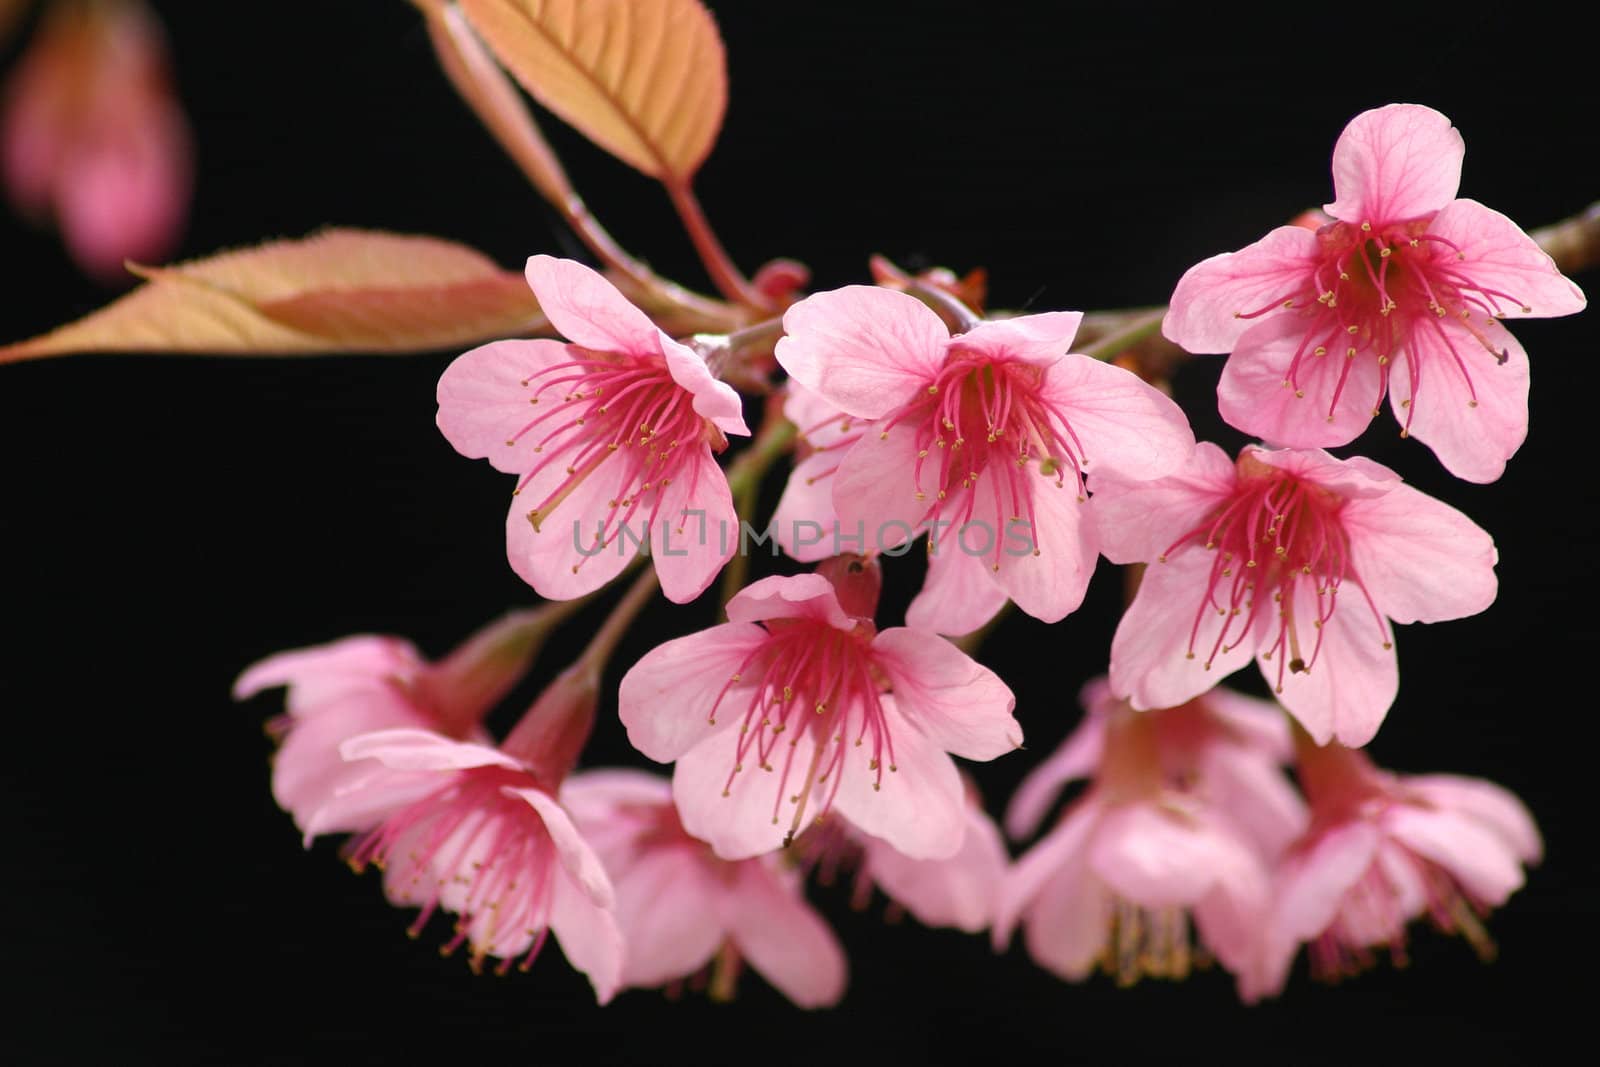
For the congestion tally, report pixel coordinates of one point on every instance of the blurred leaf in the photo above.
(341, 290)
(646, 80)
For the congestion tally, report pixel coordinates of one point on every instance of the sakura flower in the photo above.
(91, 134)
(682, 910)
(478, 831)
(1169, 833)
(612, 436)
(959, 891)
(1402, 293)
(797, 706)
(976, 435)
(365, 683)
(1296, 558)
(1383, 850)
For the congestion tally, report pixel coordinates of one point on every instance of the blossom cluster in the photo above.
(806, 740)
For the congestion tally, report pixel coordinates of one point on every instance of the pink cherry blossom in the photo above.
(959, 891)
(1402, 293)
(683, 911)
(1342, 547)
(986, 435)
(91, 133)
(1182, 818)
(612, 435)
(1384, 850)
(804, 523)
(795, 707)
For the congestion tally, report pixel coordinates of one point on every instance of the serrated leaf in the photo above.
(342, 290)
(646, 80)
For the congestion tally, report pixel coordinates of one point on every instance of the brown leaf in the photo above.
(646, 80)
(341, 290)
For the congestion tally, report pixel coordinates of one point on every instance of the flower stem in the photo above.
(1120, 340)
(1573, 243)
(598, 651)
(745, 476)
(727, 278)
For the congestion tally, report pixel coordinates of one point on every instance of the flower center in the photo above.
(1375, 288)
(987, 416)
(482, 854)
(1272, 531)
(807, 676)
(621, 411)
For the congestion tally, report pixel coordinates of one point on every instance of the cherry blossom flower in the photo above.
(1342, 547)
(1384, 850)
(804, 523)
(960, 891)
(365, 683)
(478, 831)
(1402, 293)
(91, 134)
(1185, 812)
(982, 438)
(612, 436)
(682, 910)
(797, 706)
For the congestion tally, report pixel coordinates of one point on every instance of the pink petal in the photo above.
(960, 891)
(819, 422)
(577, 858)
(756, 815)
(423, 750)
(588, 936)
(1049, 581)
(1478, 858)
(1420, 559)
(784, 940)
(1123, 423)
(866, 350)
(1311, 886)
(1078, 757)
(1351, 679)
(588, 310)
(1473, 442)
(1249, 791)
(696, 529)
(915, 802)
(1157, 857)
(1355, 478)
(799, 596)
(1150, 660)
(1253, 394)
(713, 399)
(1396, 162)
(1228, 917)
(1137, 521)
(804, 521)
(1494, 807)
(484, 405)
(365, 796)
(559, 559)
(875, 491)
(1069, 921)
(667, 699)
(961, 705)
(308, 771)
(1041, 338)
(1062, 848)
(1256, 726)
(1496, 254)
(667, 909)
(323, 673)
(1207, 308)
(959, 594)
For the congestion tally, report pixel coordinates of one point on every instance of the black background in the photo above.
(166, 521)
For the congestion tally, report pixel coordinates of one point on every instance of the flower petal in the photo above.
(747, 812)
(695, 530)
(1471, 410)
(1213, 296)
(1062, 848)
(1496, 254)
(1256, 393)
(321, 674)
(961, 705)
(804, 523)
(588, 935)
(577, 858)
(1040, 339)
(865, 349)
(1078, 757)
(796, 596)
(667, 700)
(915, 801)
(1137, 521)
(487, 400)
(560, 558)
(1045, 566)
(876, 492)
(1480, 859)
(784, 939)
(423, 750)
(668, 911)
(960, 891)
(1490, 804)
(714, 400)
(1123, 423)
(588, 310)
(1396, 162)
(1420, 559)
(959, 594)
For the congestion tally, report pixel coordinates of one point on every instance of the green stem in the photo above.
(1118, 341)
(745, 475)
